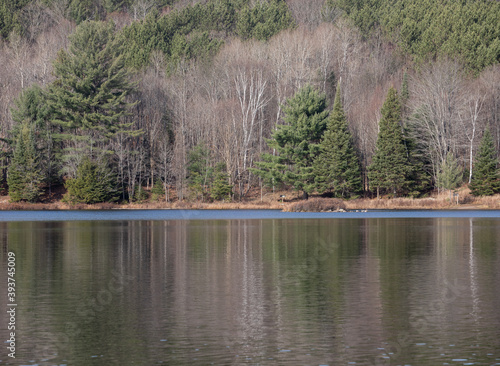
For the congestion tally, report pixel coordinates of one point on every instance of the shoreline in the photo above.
(272, 202)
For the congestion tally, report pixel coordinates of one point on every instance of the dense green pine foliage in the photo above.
(10, 11)
(221, 189)
(199, 171)
(263, 20)
(31, 107)
(418, 180)
(450, 174)
(25, 176)
(197, 32)
(81, 10)
(31, 110)
(140, 195)
(468, 29)
(390, 165)
(157, 191)
(297, 142)
(205, 180)
(486, 176)
(88, 98)
(337, 168)
(94, 183)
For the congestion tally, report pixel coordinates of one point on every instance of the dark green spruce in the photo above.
(221, 189)
(199, 171)
(93, 183)
(486, 176)
(390, 165)
(337, 168)
(24, 174)
(31, 110)
(418, 180)
(296, 143)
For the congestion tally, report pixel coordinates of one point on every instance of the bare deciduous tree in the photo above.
(437, 99)
(250, 86)
(140, 8)
(20, 54)
(470, 116)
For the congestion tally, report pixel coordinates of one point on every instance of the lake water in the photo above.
(252, 287)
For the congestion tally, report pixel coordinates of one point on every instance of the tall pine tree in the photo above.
(24, 175)
(486, 176)
(88, 97)
(390, 165)
(31, 110)
(337, 168)
(296, 143)
(418, 178)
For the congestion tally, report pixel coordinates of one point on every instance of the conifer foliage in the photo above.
(390, 166)
(92, 83)
(450, 174)
(297, 142)
(30, 111)
(337, 167)
(93, 183)
(24, 175)
(221, 189)
(486, 178)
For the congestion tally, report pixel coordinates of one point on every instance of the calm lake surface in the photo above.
(253, 287)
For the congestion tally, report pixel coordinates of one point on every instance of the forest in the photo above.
(221, 100)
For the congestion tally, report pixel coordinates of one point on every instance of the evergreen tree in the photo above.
(199, 171)
(81, 10)
(94, 183)
(450, 174)
(88, 97)
(296, 142)
(486, 177)
(24, 175)
(31, 110)
(419, 178)
(390, 166)
(10, 11)
(140, 195)
(337, 168)
(157, 191)
(264, 20)
(15, 178)
(221, 189)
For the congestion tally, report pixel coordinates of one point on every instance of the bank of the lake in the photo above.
(285, 200)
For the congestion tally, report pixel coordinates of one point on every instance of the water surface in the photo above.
(114, 215)
(303, 291)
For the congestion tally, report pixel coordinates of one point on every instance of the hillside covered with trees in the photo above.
(121, 100)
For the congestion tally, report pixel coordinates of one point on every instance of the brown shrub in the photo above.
(104, 206)
(317, 204)
(26, 206)
(182, 205)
